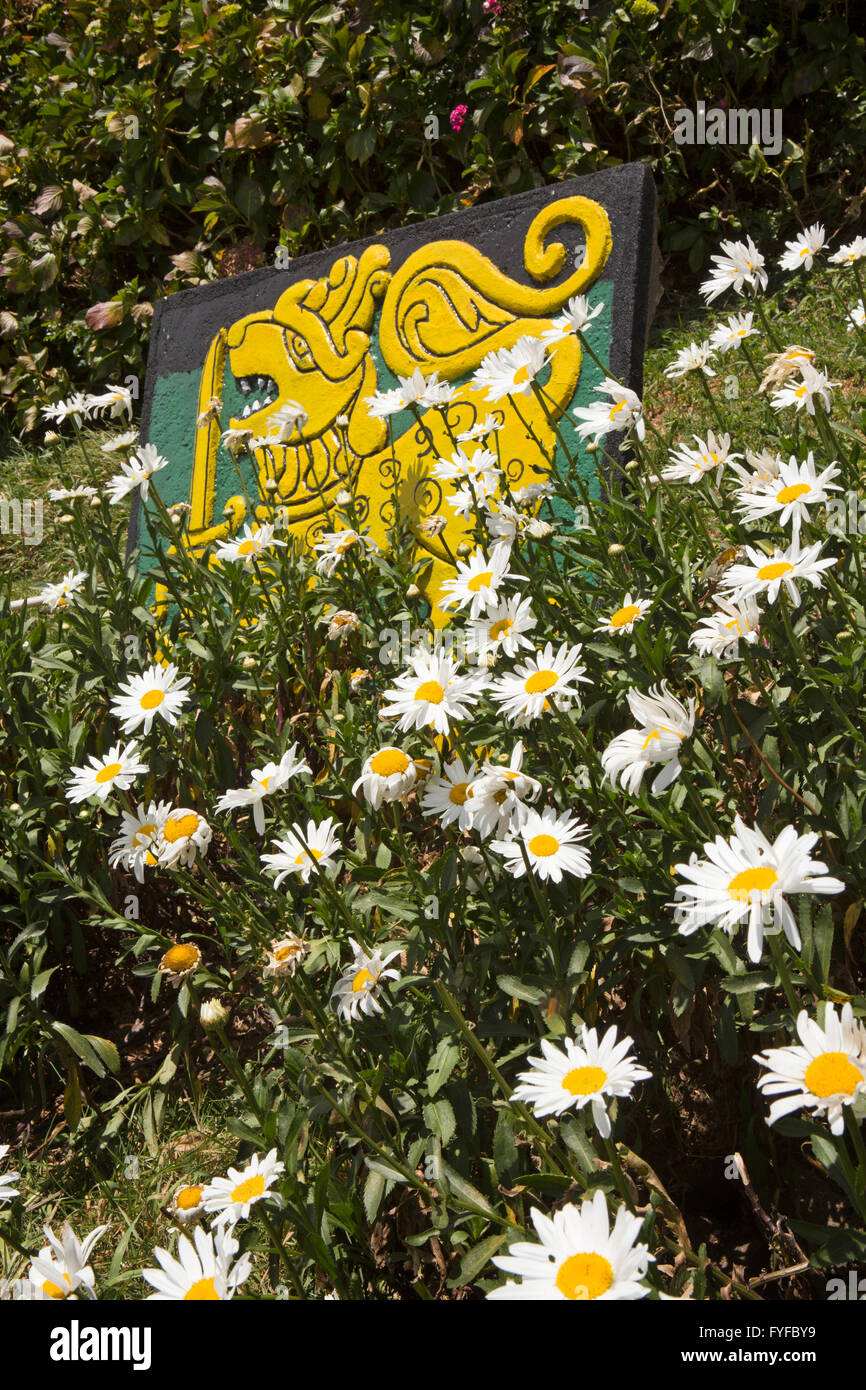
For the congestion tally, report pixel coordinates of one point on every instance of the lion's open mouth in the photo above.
(258, 392)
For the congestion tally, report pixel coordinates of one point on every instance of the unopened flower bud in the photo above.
(212, 1013)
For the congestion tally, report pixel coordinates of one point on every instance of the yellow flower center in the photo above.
(188, 1198)
(500, 629)
(152, 699)
(264, 782)
(615, 409)
(801, 391)
(624, 615)
(343, 546)
(314, 854)
(144, 835)
(775, 570)
(361, 980)
(105, 774)
(431, 691)
(750, 880)
(540, 680)
(522, 374)
(249, 1188)
(178, 828)
(202, 1289)
(584, 1276)
(832, 1074)
(790, 494)
(245, 548)
(179, 958)
(481, 581)
(458, 792)
(543, 845)
(584, 1081)
(388, 761)
(55, 1290)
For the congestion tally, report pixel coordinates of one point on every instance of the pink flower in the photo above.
(458, 116)
(492, 7)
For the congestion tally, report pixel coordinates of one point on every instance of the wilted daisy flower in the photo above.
(502, 629)
(789, 496)
(550, 843)
(341, 624)
(857, 317)
(236, 439)
(116, 770)
(624, 618)
(786, 364)
(76, 407)
(694, 358)
(802, 394)
(586, 1072)
(732, 332)
(55, 595)
(71, 494)
(579, 1257)
(431, 692)
(233, 1197)
(741, 264)
(477, 871)
(156, 692)
(500, 795)
(60, 1270)
(574, 319)
(746, 877)
(802, 250)
(764, 466)
(264, 781)
(203, 1271)
(476, 583)
(285, 421)
(284, 955)
(543, 680)
(718, 634)
(336, 544)
(624, 411)
(186, 1206)
(511, 371)
(7, 1191)
(849, 253)
(179, 962)
(304, 852)
(690, 465)
(664, 722)
(183, 834)
(767, 573)
(448, 796)
(136, 845)
(489, 425)
(504, 524)
(823, 1075)
(252, 545)
(355, 992)
(120, 441)
(135, 472)
(387, 775)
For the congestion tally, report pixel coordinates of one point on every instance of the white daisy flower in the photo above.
(264, 782)
(252, 545)
(502, 629)
(233, 1197)
(584, 1073)
(114, 401)
(284, 955)
(624, 618)
(60, 1270)
(183, 834)
(55, 595)
(71, 494)
(574, 319)
(500, 796)
(579, 1256)
(236, 439)
(689, 465)
(533, 492)
(664, 723)
(120, 441)
(803, 249)
(7, 1191)
(76, 407)
(719, 634)
(849, 253)
(355, 992)
(448, 796)
(857, 317)
(746, 877)
(544, 680)
(789, 496)
(767, 573)
(156, 692)
(550, 842)
(823, 1075)
(511, 371)
(115, 770)
(284, 422)
(333, 546)
(694, 358)
(304, 852)
(201, 1272)
(741, 264)
(802, 394)
(480, 467)
(477, 582)
(179, 962)
(624, 411)
(135, 472)
(185, 1207)
(431, 692)
(764, 466)
(425, 392)
(388, 775)
(477, 872)
(730, 334)
(489, 425)
(135, 847)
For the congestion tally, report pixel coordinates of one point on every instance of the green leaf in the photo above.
(475, 1259)
(464, 1190)
(439, 1119)
(504, 1146)
(374, 1191)
(442, 1063)
(575, 1138)
(106, 1051)
(72, 1100)
(361, 144)
(375, 1165)
(516, 989)
(80, 1046)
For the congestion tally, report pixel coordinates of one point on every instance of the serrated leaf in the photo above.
(374, 1191)
(464, 1190)
(442, 1063)
(517, 989)
(440, 1120)
(474, 1260)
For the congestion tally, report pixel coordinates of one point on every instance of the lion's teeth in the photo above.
(246, 411)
